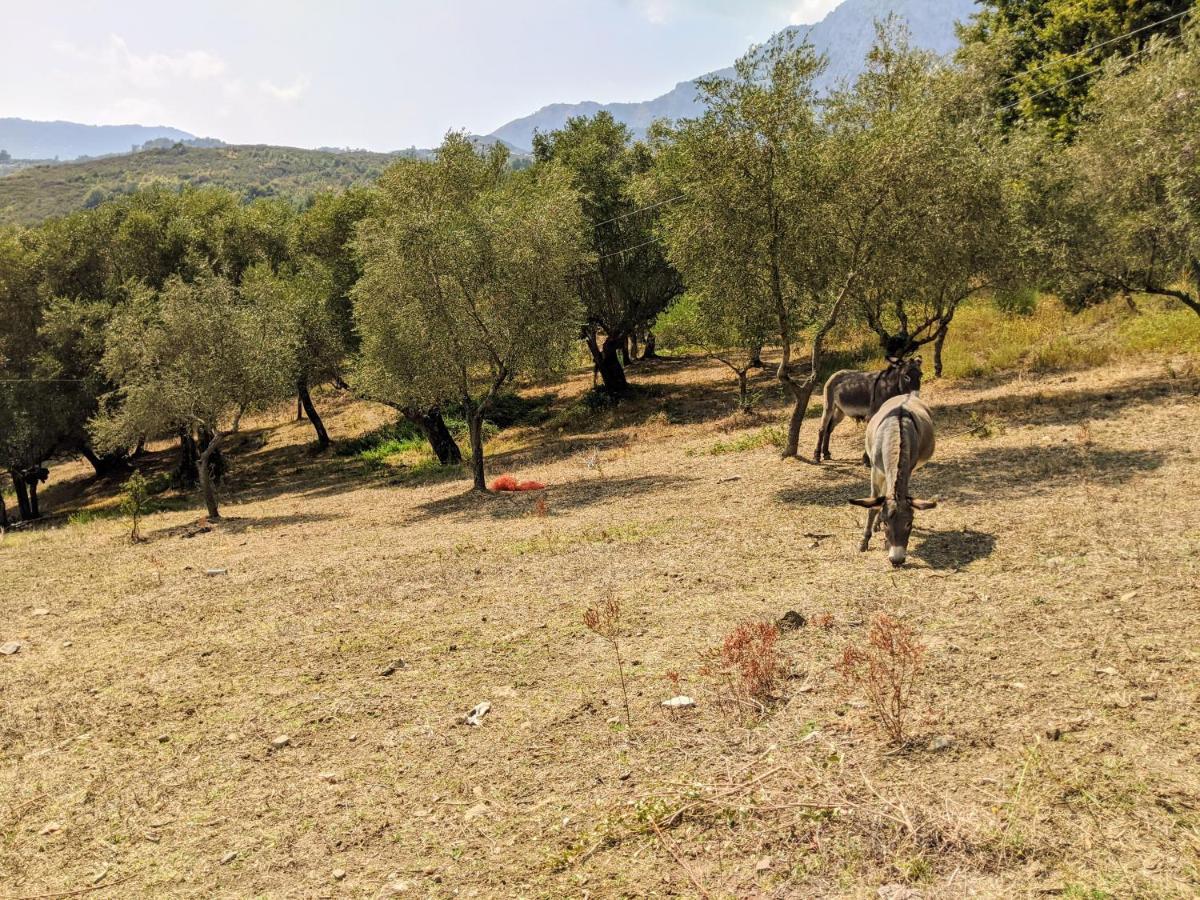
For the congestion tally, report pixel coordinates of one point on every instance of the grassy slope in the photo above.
(1054, 587)
(34, 194)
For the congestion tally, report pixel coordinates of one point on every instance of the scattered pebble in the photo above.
(392, 668)
(279, 742)
(475, 716)
(680, 702)
(211, 572)
(229, 857)
(10, 648)
(338, 874)
(476, 811)
(329, 777)
(941, 742)
(163, 738)
(41, 611)
(50, 828)
(763, 864)
(1108, 670)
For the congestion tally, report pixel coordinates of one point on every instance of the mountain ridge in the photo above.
(59, 139)
(845, 35)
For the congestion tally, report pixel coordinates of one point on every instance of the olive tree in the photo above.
(727, 326)
(194, 356)
(767, 219)
(934, 169)
(298, 303)
(1130, 216)
(466, 281)
(631, 281)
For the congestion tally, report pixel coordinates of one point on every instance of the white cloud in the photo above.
(288, 94)
(146, 70)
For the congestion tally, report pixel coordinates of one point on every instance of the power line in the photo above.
(1119, 37)
(627, 249)
(634, 212)
(1070, 80)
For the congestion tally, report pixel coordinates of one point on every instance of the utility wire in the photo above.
(1000, 109)
(634, 212)
(1120, 37)
(1064, 83)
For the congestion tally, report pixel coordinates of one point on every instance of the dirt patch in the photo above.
(1053, 749)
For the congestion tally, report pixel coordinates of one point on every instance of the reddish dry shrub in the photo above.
(749, 663)
(886, 670)
(604, 618)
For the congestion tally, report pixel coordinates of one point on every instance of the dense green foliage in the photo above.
(632, 282)
(33, 194)
(467, 280)
(1035, 55)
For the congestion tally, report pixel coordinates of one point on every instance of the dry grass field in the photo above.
(362, 610)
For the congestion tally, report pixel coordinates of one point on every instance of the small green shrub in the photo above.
(772, 436)
(135, 503)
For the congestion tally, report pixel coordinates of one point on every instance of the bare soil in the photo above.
(1053, 745)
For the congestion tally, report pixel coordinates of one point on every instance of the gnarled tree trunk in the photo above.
(22, 492)
(650, 351)
(475, 428)
(440, 439)
(608, 363)
(106, 466)
(313, 416)
(207, 458)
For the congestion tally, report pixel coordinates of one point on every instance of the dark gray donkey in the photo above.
(860, 394)
(899, 439)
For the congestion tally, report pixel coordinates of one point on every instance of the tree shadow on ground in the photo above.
(953, 549)
(236, 525)
(991, 474)
(1004, 473)
(574, 495)
(1067, 407)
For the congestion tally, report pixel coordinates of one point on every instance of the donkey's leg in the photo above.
(872, 514)
(834, 421)
(821, 438)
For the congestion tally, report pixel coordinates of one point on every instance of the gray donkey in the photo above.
(860, 394)
(899, 440)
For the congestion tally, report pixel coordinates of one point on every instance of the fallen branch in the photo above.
(666, 842)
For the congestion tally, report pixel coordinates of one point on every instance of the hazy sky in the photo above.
(360, 73)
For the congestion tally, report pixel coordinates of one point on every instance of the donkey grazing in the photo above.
(860, 394)
(899, 439)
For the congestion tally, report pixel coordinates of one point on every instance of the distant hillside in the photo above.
(26, 139)
(33, 194)
(845, 36)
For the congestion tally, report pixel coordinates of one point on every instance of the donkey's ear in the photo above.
(869, 502)
(922, 504)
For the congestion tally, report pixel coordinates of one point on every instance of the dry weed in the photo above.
(886, 670)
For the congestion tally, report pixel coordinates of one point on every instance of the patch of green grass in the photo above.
(88, 516)
(1077, 891)
(1046, 337)
(771, 436)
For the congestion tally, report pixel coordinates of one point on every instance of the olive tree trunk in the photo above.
(106, 465)
(475, 428)
(607, 361)
(440, 439)
(21, 489)
(313, 416)
(206, 475)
